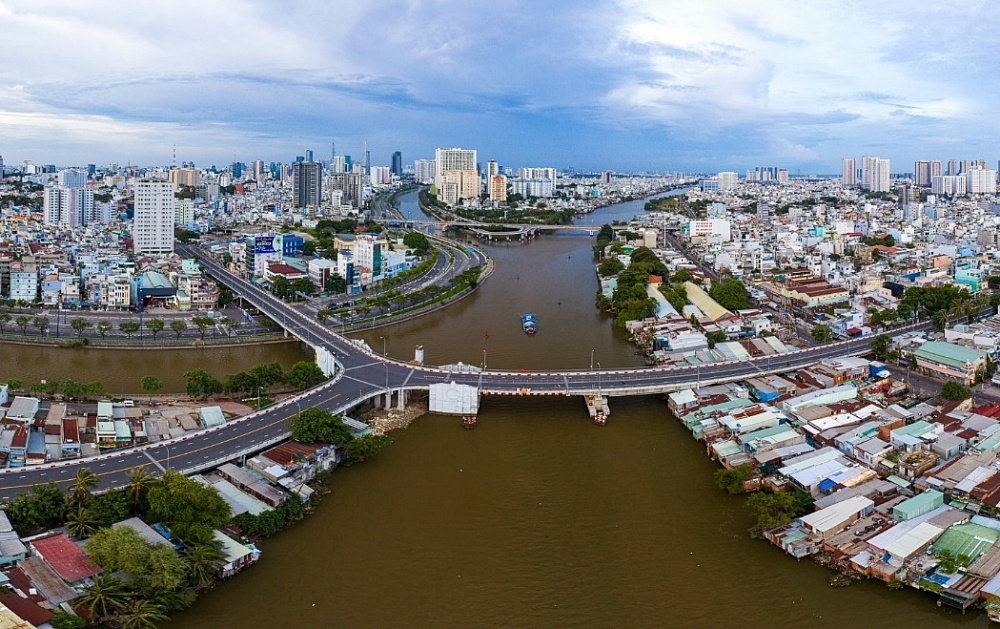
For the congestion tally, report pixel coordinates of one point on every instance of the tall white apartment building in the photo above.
(849, 172)
(423, 170)
(949, 184)
(874, 174)
(72, 178)
(368, 257)
(728, 180)
(66, 206)
(537, 173)
(981, 181)
(447, 160)
(153, 221)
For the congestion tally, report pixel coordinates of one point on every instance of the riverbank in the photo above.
(146, 344)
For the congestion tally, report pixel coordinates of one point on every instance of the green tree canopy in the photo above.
(314, 424)
(151, 384)
(364, 448)
(304, 374)
(954, 391)
(146, 568)
(610, 266)
(732, 480)
(417, 241)
(730, 293)
(821, 333)
(881, 345)
(188, 508)
(201, 384)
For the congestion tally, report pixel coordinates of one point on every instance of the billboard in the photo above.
(264, 244)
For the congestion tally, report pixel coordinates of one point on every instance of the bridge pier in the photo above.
(401, 399)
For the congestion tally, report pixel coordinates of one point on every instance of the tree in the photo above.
(201, 384)
(142, 614)
(732, 480)
(145, 568)
(155, 326)
(151, 384)
(730, 293)
(190, 509)
(41, 322)
(229, 324)
(103, 327)
(178, 327)
(305, 374)
(954, 391)
(203, 324)
(83, 481)
(128, 328)
(716, 337)
(418, 242)
(302, 285)
(80, 324)
(239, 383)
(881, 345)
(364, 448)
(314, 424)
(105, 597)
(108, 508)
(267, 374)
(81, 523)
(73, 389)
(42, 507)
(94, 387)
(610, 266)
(14, 384)
(66, 620)
(225, 297)
(821, 333)
(280, 286)
(204, 563)
(940, 320)
(23, 322)
(772, 510)
(4, 320)
(139, 482)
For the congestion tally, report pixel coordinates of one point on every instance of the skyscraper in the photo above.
(307, 184)
(922, 173)
(849, 172)
(874, 174)
(423, 170)
(153, 222)
(951, 168)
(67, 206)
(454, 159)
(397, 164)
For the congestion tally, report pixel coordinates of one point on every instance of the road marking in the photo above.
(155, 462)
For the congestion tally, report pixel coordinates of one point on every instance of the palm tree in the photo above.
(203, 563)
(81, 523)
(139, 481)
(82, 482)
(142, 614)
(106, 597)
(940, 320)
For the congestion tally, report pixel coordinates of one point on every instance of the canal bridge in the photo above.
(358, 374)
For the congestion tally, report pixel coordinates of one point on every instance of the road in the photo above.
(361, 374)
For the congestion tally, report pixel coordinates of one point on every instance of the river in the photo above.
(537, 517)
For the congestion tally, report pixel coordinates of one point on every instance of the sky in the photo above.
(626, 85)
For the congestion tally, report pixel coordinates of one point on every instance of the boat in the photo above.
(529, 323)
(469, 421)
(600, 418)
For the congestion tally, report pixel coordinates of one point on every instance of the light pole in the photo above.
(383, 345)
(298, 405)
(258, 397)
(168, 455)
(591, 360)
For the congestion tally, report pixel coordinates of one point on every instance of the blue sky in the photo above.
(618, 84)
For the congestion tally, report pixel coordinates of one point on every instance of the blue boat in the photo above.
(529, 323)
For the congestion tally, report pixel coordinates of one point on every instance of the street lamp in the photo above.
(299, 406)
(591, 360)
(168, 455)
(383, 345)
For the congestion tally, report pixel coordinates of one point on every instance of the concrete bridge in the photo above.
(358, 374)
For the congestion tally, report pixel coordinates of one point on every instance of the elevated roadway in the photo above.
(359, 374)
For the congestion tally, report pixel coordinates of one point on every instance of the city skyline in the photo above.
(625, 85)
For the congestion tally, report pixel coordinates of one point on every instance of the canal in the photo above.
(537, 518)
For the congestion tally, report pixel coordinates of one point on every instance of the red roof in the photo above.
(69, 562)
(26, 609)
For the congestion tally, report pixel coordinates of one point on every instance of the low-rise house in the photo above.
(829, 521)
(236, 556)
(12, 549)
(66, 559)
(256, 486)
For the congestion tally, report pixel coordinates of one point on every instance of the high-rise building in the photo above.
(368, 160)
(153, 222)
(981, 181)
(423, 170)
(188, 177)
(338, 164)
(459, 185)
(728, 180)
(72, 178)
(497, 187)
(537, 173)
(308, 156)
(922, 173)
(492, 169)
(849, 172)
(351, 186)
(259, 174)
(949, 184)
(397, 164)
(446, 160)
(67, 206)
(307, 184)
(936, 168)
(951, 168)
(874, 174)
(963, 167)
